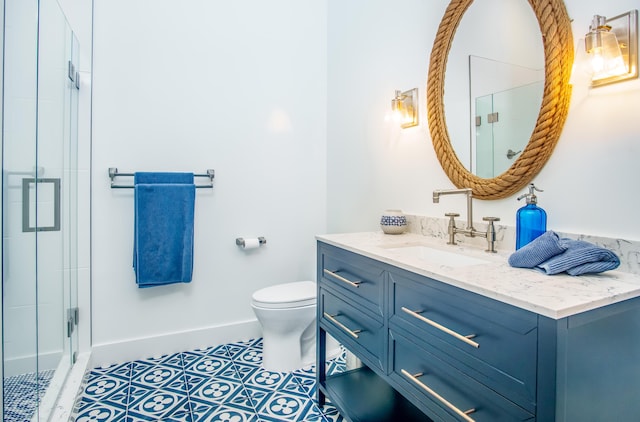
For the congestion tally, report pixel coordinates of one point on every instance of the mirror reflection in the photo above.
(505, 101)
(493, 84)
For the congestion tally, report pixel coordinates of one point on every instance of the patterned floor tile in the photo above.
(284, 407)
(224, 383)
(157, 404)
(216, 389)
(101, 412)
(228, 414)
(268, 379)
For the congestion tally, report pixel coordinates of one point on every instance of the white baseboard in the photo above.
(124, 351)
(28, 364)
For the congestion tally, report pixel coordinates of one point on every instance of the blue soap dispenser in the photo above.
(531, 220)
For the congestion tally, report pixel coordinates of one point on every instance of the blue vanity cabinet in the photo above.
(352, 309)
(435, 352)
(440, 389)
(359, 278)
(459, 352)
(488, 340)
(350, 324)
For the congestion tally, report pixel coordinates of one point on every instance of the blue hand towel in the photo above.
(581, 258)
(164, 217)
(552, 255)
(545, 246)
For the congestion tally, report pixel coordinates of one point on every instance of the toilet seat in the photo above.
(287, 295)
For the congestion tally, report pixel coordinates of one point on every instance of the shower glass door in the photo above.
(39, 203)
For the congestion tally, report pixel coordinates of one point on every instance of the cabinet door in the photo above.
(360, 333)
(444, 392)
(359, 277)
(490, 341)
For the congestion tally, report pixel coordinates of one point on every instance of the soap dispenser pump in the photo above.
(531, 220)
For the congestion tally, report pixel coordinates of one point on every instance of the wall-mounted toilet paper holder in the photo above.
(240, 241)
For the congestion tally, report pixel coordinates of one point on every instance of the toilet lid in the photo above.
(287, 295)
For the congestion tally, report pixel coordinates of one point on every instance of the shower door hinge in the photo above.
(492, 117)
(71, 71)
(73, 316)
(74, 357)
(69, 326)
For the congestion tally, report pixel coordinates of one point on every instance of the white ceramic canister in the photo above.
(393, 222)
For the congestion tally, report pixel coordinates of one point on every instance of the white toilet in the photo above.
(287, 313)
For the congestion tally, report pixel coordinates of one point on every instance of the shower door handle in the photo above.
(54, 199)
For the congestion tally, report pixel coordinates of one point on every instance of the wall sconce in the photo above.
(612, 48)
(405, 107)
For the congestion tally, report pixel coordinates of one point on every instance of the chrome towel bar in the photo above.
(113, 173)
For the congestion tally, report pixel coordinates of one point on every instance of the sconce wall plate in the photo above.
(406, 104)
(625, 28)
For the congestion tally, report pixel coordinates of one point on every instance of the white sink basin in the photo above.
(436, 256)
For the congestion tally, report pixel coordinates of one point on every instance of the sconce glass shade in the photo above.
(405, 107)
(612, 49)
(604, 51)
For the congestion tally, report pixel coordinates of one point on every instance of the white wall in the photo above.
(377, 46)
(239, 87)
(261, 91)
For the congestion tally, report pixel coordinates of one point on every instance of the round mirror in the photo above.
(553, 24)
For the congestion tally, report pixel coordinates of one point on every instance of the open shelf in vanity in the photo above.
(366, 397)
(492, 361)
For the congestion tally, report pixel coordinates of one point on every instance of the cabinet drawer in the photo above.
(442, 391)
(490, 341)
(361, 333)
(352, 274)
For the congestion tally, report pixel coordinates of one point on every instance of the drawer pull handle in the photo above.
(352, 333)
(463, 414)
(344, 280)
(466, 339)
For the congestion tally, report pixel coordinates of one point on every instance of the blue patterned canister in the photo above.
(393, 222)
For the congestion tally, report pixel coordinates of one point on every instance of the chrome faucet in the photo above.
(468, 231)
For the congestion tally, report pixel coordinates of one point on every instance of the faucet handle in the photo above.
(491, 219)
(491, 233)
(451, 230)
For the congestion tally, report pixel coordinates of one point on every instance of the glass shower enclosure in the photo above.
(39, 206)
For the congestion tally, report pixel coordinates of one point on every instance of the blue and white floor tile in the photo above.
(220, 384)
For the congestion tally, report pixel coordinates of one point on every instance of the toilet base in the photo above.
(286, 354)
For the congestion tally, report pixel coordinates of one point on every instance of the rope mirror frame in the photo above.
(557, 38)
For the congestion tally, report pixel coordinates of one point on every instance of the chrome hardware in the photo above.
(465, 339)
(29, 184)
(240, 241)
(491, 233)
(463, 414)
(71, 71)
(113, 173)
(468, 231)
(451, 229)
(492, 117)
(352, 333)
(344, 280)
(511, 153)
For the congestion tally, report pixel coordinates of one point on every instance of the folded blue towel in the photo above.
(163, 232)
(581, 258)
(545, 246)
(553, 255)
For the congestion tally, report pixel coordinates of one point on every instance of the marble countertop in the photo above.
(490, 275)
